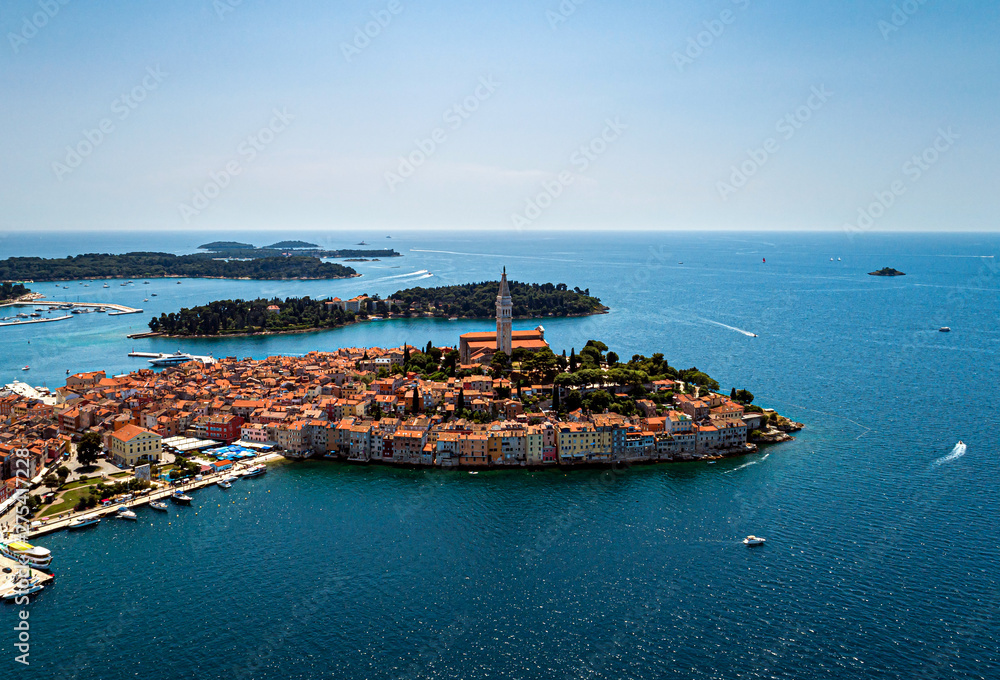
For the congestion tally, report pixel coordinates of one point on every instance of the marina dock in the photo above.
(27, 321)
(7, 578)
(161, 493)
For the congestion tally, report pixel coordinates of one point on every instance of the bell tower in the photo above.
(504, 316)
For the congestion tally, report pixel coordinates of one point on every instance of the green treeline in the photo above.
(251, 316)
(150, 265)
(472, 301)
(478, 300)
(9, 291)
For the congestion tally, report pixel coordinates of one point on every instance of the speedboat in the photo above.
(752, 540)
(27, 554)
(473, 472)
(224, 484)
(181, 498)
(256, 471)
(26, 368)
(106, 285)
(944, 329)
(153, 294)
(125, 513)
(158, 505)
(82, 522)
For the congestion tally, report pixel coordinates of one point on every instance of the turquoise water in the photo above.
(882, 541)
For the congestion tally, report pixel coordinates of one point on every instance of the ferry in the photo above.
(83, 522)
(27, 554)
(181, 498)
(752, 540)
(256, 471)
(177, 357)
(158, 505)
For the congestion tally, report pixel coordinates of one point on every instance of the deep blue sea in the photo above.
(881, 560)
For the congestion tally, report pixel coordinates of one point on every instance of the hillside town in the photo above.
(366, 405)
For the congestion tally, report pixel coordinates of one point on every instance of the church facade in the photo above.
(479, 348)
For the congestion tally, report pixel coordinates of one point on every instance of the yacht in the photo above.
(177, 357)
(26, 368)
(23, 587)
(752, 540)
(158, 505)
(944, 329)
(125, 513)
(82, 522)
(106, 285)
(224, 484)
(27, 554)
(256, 470)
(181, 498)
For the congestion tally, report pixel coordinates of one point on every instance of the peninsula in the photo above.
(155, 265)
(12, 291)
(299, 315)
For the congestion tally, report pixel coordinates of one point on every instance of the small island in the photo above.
(235, 249)
(156, 265)
(12, 291)
(301, 315)
(887, 271)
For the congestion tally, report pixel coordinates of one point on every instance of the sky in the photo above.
(867, 115)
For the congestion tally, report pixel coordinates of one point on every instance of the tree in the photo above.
(460, 401)
(89, 449)
(62, 473)
(499, 363)
(406, 354)
(555, 398)
(744, 397)
(612, 358)
(572, 359)
(574, 400)
(416, 399)
(51, 481)
(732, 394)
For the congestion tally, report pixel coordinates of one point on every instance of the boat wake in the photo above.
(955, 454)
(421, 273)
(752, 462)
(732, 328)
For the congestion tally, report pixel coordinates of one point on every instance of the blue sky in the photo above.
(599, 115)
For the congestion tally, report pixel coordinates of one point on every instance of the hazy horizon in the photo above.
(738, 115)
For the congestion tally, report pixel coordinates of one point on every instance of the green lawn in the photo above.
(68, 500)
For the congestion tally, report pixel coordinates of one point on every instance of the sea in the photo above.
(881, 518)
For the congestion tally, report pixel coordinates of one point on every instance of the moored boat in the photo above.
(23, 587)
(256, 470)
(181, 498)
(223, 484)
(158, 505)
(82, 522)
(125, 513)
(29, 555)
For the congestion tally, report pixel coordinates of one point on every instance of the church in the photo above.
(479, 348)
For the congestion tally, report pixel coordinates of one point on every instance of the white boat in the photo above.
(177, 357)
(106, 285)
(23, 587)
(224, 484)
(229, 478)
(181, 498)
(473, 472)
(125, 513)
(26, 368)
(29, 555)
(82, 522)
(158, 505)
(256, 470)
(752, 540)
(944, 329)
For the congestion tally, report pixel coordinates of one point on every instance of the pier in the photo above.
(16, 570)
(27, 321)
(161, 493)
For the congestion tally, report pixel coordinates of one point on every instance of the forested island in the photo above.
(293, 315)
(153, 265)
(235, 249)
(11, 291)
